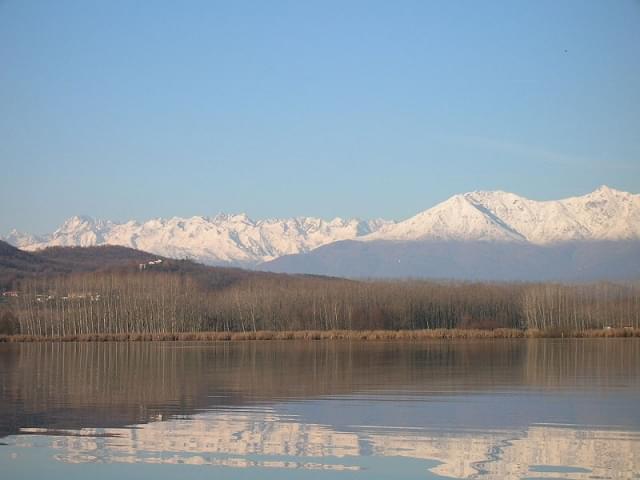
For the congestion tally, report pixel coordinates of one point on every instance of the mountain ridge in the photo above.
(225, 239)
(606, 214)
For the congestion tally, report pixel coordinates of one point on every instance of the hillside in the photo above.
(16, 264)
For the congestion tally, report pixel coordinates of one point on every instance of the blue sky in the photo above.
(121, 110)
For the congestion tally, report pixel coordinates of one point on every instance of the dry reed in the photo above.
(357, 335)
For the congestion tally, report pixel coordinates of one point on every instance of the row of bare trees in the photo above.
(581, 307)
(149, 302)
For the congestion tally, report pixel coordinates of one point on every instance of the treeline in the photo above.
(162, 302)
(581, 307)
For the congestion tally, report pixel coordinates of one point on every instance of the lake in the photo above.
(537, 408)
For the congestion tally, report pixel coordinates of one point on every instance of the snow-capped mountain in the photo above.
(603, 215)
(22, 240)
(223, 239)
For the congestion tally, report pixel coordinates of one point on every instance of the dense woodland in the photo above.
(166, 302)
(70, 291)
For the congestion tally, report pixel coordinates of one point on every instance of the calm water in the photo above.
(472, 409)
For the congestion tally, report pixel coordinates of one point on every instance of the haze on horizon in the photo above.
(353, 109)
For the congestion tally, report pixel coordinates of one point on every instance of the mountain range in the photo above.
(483, 234)
(224, 239)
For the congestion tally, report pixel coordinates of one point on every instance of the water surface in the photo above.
(302, 409)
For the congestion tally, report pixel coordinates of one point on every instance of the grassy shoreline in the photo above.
(358, 335)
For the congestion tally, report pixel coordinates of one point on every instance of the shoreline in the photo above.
(357, 335)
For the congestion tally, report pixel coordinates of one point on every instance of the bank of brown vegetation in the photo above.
(351, 335)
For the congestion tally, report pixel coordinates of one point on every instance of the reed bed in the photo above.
(355, 335)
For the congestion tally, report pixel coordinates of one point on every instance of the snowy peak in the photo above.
(80, 231)
(604, 190)
(604, 214)
(22, 239)
(237, 239)
(457, 218)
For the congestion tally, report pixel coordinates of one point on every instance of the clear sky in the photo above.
(132, 109)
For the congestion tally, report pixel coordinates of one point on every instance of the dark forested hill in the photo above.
(94, 258)
(16, 264)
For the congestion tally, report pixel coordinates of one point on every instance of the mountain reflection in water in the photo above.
(489, 409)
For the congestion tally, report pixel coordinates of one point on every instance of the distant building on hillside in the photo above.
(143, 266)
